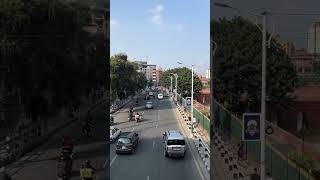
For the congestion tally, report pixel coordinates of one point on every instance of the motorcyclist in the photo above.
(87, 171)
(67, 145)
(64, 166)
(137, 116)
(3, 174)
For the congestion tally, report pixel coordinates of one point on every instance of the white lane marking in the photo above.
(105, 163)
(153, 144)
(148, 178)
(114, 158)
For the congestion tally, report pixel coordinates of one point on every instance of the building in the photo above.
(286, 45)
(305, 107)
(208, 73)
(158, 75)
(303, 61)
(314, 38)
(149, 70)
(204, 96)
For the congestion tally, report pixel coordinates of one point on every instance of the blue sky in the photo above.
(162, 31)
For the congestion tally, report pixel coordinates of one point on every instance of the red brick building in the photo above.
(303, 61)
(306, 107)
(204, 97)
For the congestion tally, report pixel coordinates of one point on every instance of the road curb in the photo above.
(120, 107)
(202, 148)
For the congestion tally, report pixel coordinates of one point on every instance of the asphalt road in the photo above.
(41, 163)
(149, 162)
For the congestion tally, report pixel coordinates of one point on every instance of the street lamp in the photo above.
(176, 85)
(192, 67)
(263, 87)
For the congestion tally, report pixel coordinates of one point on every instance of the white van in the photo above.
(160, 96)
(175, 144)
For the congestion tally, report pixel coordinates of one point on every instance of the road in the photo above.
(41, 163)
(149, 162)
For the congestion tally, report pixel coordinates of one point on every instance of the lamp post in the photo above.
(192, 71)
(176, 85)
(263, 87)
(170, 84)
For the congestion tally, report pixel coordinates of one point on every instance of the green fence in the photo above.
(201, 118)
(277, 161)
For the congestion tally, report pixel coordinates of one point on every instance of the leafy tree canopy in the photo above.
(184, 81)
(237, 66)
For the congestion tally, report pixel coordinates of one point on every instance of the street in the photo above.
(42, 162)
(149, 162)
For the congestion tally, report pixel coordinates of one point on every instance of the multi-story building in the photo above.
(208, 73)
(158, 75)
(286, 45)
(314, 38)
(149, 70)
(303, 61)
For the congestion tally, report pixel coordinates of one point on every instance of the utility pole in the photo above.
(171, 84)
(176, 76)
(263, 95)
(192, 92)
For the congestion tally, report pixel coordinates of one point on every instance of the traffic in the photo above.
(147, 142)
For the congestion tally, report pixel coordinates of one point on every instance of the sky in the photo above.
(162, 32)
(293, 28)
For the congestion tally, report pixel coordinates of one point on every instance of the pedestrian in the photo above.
(255, 175)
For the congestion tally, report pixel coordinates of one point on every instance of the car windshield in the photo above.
(149, 102)
(124, 141)
(175, 142)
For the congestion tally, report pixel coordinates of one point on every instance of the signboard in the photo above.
(188, 101)
(251, 126)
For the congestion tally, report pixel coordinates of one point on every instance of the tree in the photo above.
(237, 66)
(184, 81)
(124, 77)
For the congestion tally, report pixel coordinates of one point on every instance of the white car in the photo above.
(160, 96)
(114, 133)
(149, 105)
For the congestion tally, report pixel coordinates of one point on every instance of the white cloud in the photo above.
(156, 10)
(176, 27)
(157, 19)
(114, 24)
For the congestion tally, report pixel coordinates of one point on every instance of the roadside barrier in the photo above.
(202, 147)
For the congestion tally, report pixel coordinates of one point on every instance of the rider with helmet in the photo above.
(87, 171)
(67, 145)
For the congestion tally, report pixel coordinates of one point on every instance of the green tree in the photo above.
(237, 66)
(124, 77)
(184, 81)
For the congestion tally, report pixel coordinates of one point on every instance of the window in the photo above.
(175, 142)
(124, 141)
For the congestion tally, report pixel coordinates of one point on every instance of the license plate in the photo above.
(123, 147)
(176, 149)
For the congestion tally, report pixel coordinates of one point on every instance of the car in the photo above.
(127, 143)
(160, 96)
(175, 144)
(114, 133)
(149, 105)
